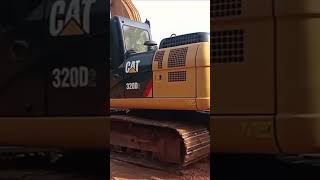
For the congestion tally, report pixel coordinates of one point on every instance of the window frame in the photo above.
(124, 35)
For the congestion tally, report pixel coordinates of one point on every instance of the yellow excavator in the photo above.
(124, 8)
(266, 77)
(53, 90)
(160, 96)
(53, 76)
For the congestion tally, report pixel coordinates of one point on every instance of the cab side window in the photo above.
(134, 38)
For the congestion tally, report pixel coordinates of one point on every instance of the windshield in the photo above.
(134, 38)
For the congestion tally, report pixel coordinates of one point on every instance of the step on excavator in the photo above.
(160, 96)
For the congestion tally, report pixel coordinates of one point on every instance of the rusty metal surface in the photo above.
(188, 140)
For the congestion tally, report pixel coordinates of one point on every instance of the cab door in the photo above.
(138, 75)
(116, 62)
(138, 60)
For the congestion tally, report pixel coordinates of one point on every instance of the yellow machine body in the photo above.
(56, 132)
(266, 88)
(124, 8)
(181, 80)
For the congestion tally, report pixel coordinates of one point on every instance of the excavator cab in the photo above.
(131, 58)
(176, 76)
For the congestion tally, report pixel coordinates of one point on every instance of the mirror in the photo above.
(150, 45)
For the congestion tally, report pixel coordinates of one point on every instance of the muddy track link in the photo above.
(171, 141)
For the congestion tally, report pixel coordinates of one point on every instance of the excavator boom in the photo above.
(124, 8)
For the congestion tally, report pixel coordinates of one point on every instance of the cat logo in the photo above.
(132, 66)
(70, 19)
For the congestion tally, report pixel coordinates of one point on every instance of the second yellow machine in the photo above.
(266, 76)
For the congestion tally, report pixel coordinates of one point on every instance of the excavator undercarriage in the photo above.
(175, 137)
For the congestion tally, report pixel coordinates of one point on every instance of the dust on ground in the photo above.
(121, 170)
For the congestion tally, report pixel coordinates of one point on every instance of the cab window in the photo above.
(134, 38)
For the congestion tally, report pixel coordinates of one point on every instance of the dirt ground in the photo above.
(121, 170)
(40, 174)
(40, 168)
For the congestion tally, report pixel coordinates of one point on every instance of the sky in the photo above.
(174, 16)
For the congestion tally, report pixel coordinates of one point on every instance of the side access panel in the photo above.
(243, 76)
(174, 77)
(243, 59)
(174, 72)
(298, 120)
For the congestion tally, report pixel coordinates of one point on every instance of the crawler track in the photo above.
(179, 139)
